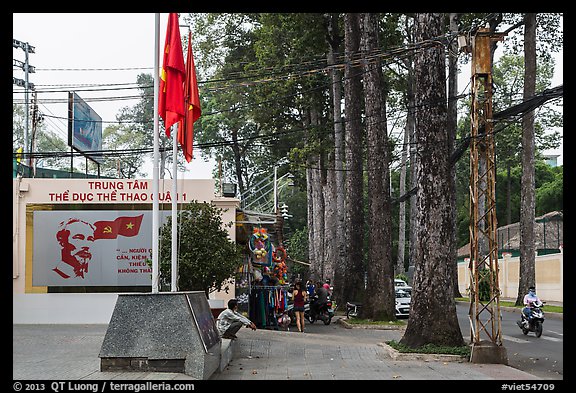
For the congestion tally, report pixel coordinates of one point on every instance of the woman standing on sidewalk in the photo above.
(299, 295)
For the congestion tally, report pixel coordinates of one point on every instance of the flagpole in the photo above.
(155, 171)
(174, 260)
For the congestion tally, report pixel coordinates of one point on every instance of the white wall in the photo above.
(63, 308)
(69, 308)
(549, 276)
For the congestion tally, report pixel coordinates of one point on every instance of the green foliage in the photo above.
(402, 276)
(297, 207)
(207, 258)
(549, 182)
(45, 141)
(550, 194)
(298, 245)
(297, 249)
(132, 133)
(431, 349)
(508, 76)
(484, 288)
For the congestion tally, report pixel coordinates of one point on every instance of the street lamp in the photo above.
(284, 211)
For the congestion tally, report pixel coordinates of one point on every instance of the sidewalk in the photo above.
(335, 352)
(322, 352)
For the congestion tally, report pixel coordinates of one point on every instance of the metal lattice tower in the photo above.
(484, 311)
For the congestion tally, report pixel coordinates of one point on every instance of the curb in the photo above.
(347, 325)
(426, 357)
(547, 314)
(227, 350)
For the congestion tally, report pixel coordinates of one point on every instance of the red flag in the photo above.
(192, 100)
(171, 96)
(122, 226)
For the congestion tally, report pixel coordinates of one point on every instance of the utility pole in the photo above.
(37, 118)
(27, 68)
(484, 311)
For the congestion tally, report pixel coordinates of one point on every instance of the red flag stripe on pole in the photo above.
(192, 104)
(171, 105)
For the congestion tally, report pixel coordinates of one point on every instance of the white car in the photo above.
(401, 284)
(403, 300)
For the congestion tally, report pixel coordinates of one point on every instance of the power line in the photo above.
(531, 103)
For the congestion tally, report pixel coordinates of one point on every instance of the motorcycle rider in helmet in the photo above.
(321, 298)
(530, 298)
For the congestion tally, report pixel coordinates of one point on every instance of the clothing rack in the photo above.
(266, 303)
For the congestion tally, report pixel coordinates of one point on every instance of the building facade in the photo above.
(77, 243)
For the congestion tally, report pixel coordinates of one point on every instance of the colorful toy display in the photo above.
(268, 261)
(268, 295)
(261, 247)
(280, 268)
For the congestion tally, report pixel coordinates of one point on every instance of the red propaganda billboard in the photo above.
(92, 248)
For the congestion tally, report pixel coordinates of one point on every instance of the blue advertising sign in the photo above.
(86, 128)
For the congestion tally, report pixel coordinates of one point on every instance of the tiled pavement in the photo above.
(323, 352)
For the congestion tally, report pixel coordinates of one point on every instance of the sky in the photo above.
(80, 49)
(108, 49)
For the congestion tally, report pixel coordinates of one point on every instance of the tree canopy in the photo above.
(207, 258)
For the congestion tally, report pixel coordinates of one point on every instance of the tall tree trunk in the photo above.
(314, 267)
(349, 283)
(413, 155)
(452, 127)
(380, 296)
(330, 219)
(408, 130)
(508, 194)
(334, 39)
(433, 317)
(527, 200)
(318, 181)
(399, 269)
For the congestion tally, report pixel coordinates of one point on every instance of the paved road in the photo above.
(542, 357)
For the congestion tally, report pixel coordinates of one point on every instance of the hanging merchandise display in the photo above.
(261, 246)
(266, 305)
(268, 290)
(280, 268)
(244, 277)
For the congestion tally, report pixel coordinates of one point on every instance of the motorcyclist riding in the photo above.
(529, 299)
(532, 315)
(321, 298)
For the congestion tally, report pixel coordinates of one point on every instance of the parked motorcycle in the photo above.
(284, 320)
(290, 312)
(353, 309)
(325, 312)
(534, 322)
(402, 305)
